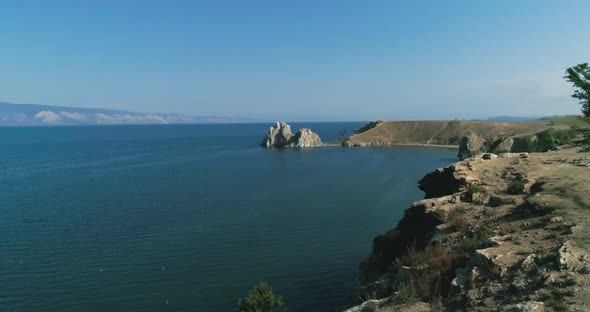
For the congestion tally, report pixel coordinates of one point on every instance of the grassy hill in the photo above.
(447, 132)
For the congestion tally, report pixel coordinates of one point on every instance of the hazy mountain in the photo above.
(512, 118)
(33, 114)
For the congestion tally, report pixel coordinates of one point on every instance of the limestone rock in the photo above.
(572, 258)
(278, 135)
(514, 144)
(446, 181)
(367, 306)
(306, 138)
(489, 156)
(530, 306)
(471, 145)
(504, 146)
(529, 264)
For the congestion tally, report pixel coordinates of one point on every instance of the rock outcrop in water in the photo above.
(280, 135)
(306, 138)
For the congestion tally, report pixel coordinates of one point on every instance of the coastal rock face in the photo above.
(446, 181)
(306, 138)
(489, 250)
(514, 144)
(280, 135)
(471, 145)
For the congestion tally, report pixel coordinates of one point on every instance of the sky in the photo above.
(300, 60)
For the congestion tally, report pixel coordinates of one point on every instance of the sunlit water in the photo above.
(189, 217)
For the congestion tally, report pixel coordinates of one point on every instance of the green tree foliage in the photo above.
(342, 135)
(262, 299)
(579, 76)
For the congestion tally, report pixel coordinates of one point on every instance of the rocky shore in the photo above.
(507, 232)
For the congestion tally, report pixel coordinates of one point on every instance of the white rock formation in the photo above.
(280, 135)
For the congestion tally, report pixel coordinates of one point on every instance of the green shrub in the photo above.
(262, 299)
(548, 140)
(478, 239)
(471, 190)
(474, 188)
(515, 187)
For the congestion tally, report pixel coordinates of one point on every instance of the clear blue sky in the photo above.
(295, 60)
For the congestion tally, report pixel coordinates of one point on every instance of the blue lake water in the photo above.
(190, 217)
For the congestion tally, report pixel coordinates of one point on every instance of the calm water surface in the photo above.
(189, 217)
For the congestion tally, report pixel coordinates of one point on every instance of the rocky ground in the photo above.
(508, 232)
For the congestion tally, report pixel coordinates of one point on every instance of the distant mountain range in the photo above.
(37, 115)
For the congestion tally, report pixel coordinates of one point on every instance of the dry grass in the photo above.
(431, 271)
(458, 223)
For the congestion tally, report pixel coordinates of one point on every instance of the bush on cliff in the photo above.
(547, 140)
(262, 299)
(429, 273)
(515, 187)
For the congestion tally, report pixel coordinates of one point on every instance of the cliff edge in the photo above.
(505, 232)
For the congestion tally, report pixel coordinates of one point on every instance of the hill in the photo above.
(441, 132)
(36, 115)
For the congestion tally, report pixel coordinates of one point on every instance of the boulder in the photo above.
(571, 258)
(471, 145)
(279, 135)
(530, 306)
(504, 146)
(489, 156)
(306, 138)
(447, 181)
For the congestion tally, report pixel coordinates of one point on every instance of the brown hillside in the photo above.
(440, 132)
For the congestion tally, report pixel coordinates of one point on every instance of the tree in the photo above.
(579, 76)
(342, 134)
(262, 299)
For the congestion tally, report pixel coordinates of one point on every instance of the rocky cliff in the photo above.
(494, 233)
(280, 135)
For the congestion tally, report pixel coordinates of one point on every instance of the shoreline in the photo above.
(393, 144)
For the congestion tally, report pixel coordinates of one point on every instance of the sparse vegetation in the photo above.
(548, 140)
(429, 273)
(476, 239)
(342, 135)
(262, 299)
(528, 210)
(471, 191)
(459, 223)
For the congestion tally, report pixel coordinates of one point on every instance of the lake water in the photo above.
(190, 217)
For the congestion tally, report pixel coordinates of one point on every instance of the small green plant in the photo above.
(262, 299)
(472, 190)
(477, 239)
(528, 210)
(515, 187)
